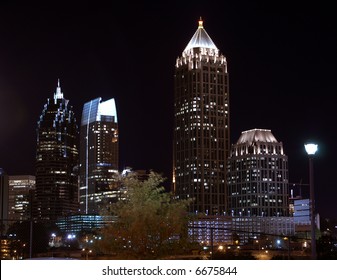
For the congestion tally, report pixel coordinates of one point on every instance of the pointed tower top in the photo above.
(201, 23)
(58, 94)
(201, 39)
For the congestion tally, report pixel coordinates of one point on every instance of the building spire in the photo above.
(202, 41)
(201, 23)
(58, 94)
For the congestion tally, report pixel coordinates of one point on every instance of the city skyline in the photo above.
(281, 70)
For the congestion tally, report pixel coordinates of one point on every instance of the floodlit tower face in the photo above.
(56, 193)
(99, 155)
(201, 125)
(258, 175)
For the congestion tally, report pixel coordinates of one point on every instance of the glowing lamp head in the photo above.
(311, 149)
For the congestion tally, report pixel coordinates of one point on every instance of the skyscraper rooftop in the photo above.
(201, 39)
(256, 135)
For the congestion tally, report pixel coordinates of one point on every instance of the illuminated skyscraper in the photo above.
(20, 191)
(258, 175)
(98, 155)
(201, 125)
(56, 193)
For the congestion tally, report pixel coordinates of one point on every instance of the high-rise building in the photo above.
(20, 195)
(98, 155)
(258, 175)
(56, 193)
(201, 139)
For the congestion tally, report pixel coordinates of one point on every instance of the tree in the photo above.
(150, 223)
(326, 248)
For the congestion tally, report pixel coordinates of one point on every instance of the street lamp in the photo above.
(87, 252)
(53, 235)
(311, 149)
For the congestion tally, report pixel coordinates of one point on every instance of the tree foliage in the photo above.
(150, 223)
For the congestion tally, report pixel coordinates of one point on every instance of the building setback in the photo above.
(56, 193)
(258, 176)
(201, 125)
(99, 155)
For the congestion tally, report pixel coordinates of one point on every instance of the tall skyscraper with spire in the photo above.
(201, 139)
(99, 155)
(56, 191)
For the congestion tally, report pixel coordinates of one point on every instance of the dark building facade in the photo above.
(201, 125)
(258, 176)
(56, 193)
(99, 155)
(4, 197)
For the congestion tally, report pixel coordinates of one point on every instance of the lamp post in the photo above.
(311, 149)
(87, 252)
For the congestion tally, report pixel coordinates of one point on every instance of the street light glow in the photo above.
(310, 148)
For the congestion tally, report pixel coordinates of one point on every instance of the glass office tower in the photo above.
(98, 155)
(201, 125)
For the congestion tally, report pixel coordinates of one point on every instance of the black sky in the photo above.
(282, 67)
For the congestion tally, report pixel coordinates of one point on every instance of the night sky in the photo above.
(282, 75)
